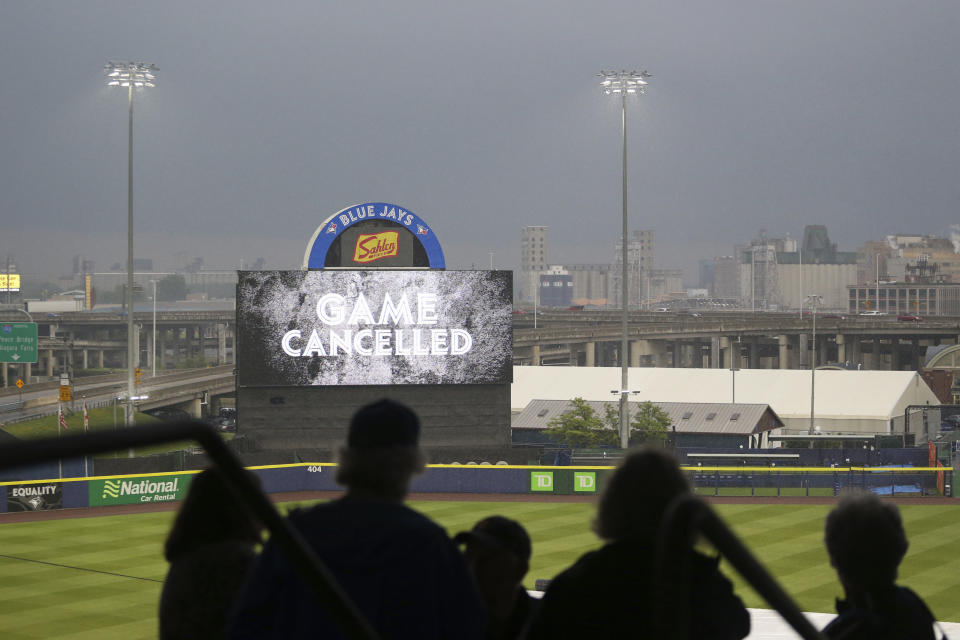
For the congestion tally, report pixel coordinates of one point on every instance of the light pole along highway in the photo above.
(622, 84)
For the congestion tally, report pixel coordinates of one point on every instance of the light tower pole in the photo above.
(130, 76)
(814, 301)
(623, 83)
(153, 340)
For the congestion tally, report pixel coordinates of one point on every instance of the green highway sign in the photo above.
(18, 342)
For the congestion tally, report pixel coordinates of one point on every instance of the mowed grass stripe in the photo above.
(787, 538)
(933, 559)
(87, 606)
(80, 603)
(126, 622)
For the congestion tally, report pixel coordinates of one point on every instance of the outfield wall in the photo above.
(73, 493)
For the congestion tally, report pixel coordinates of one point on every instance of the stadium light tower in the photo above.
(622, 84)
(130, 76)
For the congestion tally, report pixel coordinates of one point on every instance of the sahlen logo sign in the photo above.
(376, 246)
(318, 328)
(138, 490)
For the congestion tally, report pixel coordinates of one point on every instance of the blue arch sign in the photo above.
(335, 225)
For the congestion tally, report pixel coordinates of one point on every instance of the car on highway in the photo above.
(221, 423)
(833, 316)
(168, 414)
(689, 313)
(872, 314)
(908, 317)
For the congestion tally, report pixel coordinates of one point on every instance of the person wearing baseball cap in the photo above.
(401, 570)
(498, 552)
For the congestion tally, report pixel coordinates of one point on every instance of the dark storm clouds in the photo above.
(481, 117)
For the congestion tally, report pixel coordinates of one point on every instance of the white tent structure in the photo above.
(846, 402)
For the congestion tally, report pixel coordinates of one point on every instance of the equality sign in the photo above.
(18, 342)
(34, 497)
(325, 328)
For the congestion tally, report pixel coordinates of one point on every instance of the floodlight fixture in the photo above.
(623, 82)
(131, 74)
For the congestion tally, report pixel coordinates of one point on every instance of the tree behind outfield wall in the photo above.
(650, 424)
(580, 427)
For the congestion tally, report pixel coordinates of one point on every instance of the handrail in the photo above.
(304, 560)
(686, 516)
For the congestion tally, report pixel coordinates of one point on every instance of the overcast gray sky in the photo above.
(481, 117)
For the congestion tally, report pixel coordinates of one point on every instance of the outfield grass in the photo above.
(45, 600)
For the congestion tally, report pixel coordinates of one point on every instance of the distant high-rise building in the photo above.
(726, 278)
(872, 259)
(662, 285)
(591, 283)
(774, 273)
(639, 264)
(556, 288)
(533, 261)
(705, 273)
(899, 256)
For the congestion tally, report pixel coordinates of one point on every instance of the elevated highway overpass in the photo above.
(749, 340)
(83, 340)
(88, 339)
(185, 389)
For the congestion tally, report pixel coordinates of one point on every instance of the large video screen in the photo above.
(308, 328)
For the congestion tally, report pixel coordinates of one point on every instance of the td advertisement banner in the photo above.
(139, 490)
(312, 328)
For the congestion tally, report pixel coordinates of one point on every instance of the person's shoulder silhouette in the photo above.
(399, 568)
(498, 552)
(210, 548)
(608, 592)
(866, 542)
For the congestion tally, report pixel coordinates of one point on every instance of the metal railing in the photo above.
(304, 560)
(686, 517)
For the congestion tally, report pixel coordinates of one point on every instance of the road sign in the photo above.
(10, 282)
(18, 342)
(64, 394)
(19, 383)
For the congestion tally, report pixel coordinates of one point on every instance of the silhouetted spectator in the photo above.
(400, 569)
(866, 542)
(609, 593)
(210, 548)
(498, 552)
